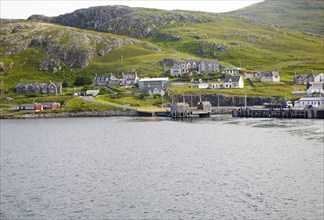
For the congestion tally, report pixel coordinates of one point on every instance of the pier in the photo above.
(279, 113)
(183, 110)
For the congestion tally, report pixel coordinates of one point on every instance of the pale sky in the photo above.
(25, 8)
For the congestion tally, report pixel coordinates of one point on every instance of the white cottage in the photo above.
(230, 82)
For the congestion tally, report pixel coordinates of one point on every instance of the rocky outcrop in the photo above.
(40, 18)
(134, 22)
(5, 66)
(167, 62)
(169, 37)
(219, 47)
(60, 47)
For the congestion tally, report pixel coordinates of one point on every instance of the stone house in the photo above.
(129, 78)
(51, 88)
(303, 79)
(208, 66)
(194, 66)
(101, 80)
(106, 80)
(175, 70)
(270, 77)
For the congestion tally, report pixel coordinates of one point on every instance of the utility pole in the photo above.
(1, 89)
(245, 105)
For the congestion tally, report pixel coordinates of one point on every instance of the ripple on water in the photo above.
(137, 168)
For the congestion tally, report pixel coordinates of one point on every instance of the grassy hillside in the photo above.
(234, 42)
(38, 52)
(301, 15)
(254, 47)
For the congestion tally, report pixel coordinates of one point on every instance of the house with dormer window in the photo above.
(195, 66)
(52, 88)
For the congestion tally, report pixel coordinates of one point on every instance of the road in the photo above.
(91, 99)
(147, 109)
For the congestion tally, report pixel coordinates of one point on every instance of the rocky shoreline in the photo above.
(111, 113)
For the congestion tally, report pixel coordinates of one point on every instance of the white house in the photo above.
(230, 82)
(270, 77)
(203, 85)
(310, 101)
(319, 78)
(317, 85)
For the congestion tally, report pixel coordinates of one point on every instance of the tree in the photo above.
(65, 84)
(82, 80)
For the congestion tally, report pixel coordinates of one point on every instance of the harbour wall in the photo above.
(221, 100)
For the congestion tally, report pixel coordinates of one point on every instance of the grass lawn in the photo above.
(260, 91)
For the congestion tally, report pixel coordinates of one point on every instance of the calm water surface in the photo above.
(146, 168)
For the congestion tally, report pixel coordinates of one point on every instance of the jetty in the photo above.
(312, 113)
(183, 110)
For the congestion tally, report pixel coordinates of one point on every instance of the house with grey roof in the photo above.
(303, 79)
(176, 70)
(129, 78)
(51, 88)
(269, 77)
(231, 71)
(106, 80)
(230, 82)
(317, 102)
(192, 66)
(101, 80)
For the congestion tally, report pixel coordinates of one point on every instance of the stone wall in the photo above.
(221, 100)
